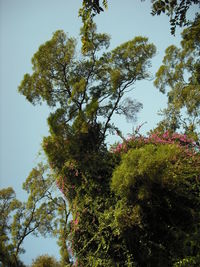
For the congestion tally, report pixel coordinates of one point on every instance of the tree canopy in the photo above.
(45, 261)
(134, 204)
(88, 90)
(179, 78)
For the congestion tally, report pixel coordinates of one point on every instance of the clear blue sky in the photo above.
(24, 25)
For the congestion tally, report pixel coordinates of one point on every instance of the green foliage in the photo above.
(146, 168)
(45, 261)
(49, 213)
(88, 90)
(158, 208)
(88, 10)
(149, 216)
(189, 261)
(175, 9)
(87, 99)
(135, 206)
(8, 205)
(179, 76)
(43, 213)
(49, 74)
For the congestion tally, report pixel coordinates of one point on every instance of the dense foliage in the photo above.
(128, 209)
(147, 210)
(87, 92)
(135, 204)
(157, 212)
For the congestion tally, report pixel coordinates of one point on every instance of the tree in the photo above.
(125, 203)
(179, 77)
(125, 208)
(43, 213)
(89, 90)
(45, 261)
(8, 205)
(85, 93)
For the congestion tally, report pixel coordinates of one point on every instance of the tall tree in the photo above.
(125, 208)
(86, 92)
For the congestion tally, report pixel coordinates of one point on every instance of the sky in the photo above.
(24, 26)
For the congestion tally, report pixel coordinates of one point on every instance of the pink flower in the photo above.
(166, 134)
(76, 221)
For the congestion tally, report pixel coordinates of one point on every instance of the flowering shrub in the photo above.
(157, 183)
(136, 141)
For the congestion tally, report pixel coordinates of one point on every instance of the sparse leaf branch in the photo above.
(90, 73)
(120, 95)
(26, 231)
(111, 113)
